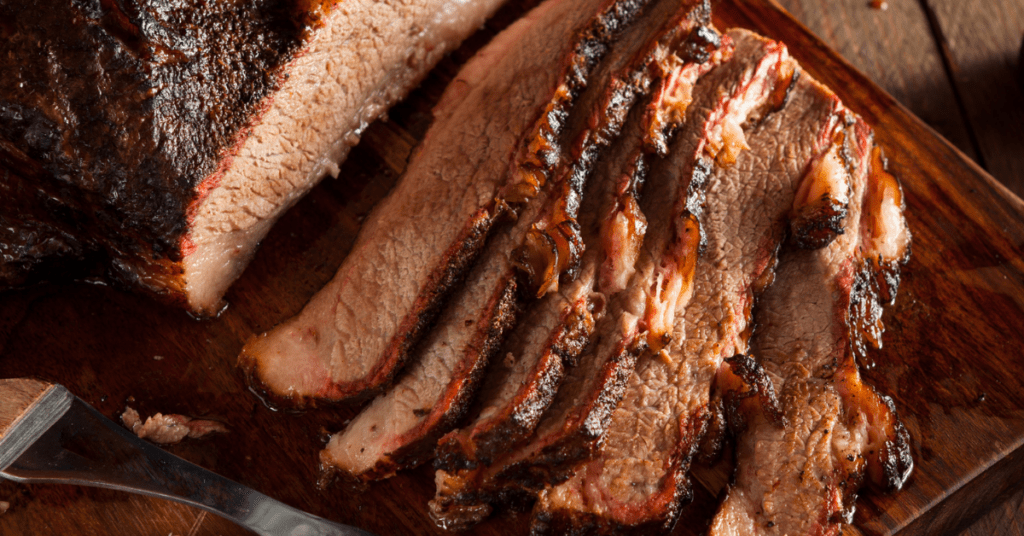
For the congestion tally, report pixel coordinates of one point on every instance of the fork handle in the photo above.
(83, 447)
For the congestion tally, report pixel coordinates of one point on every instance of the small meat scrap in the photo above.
(169, 429)
(4, 506)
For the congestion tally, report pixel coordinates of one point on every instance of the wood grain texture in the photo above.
(951, 359)
(17, 395)
(1004, 519)
(896, 48)
(982, 40)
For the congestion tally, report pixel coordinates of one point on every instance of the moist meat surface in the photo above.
(473, 322)
(580, 412)
(400, 428)
(558, 327)
(467, 471)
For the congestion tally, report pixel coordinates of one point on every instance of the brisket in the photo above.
(573, 425)
(639, 478)
(168, 137)
(466, 460)
(400, 428)
(803, 478)
(555, 243)
(358, 331)
(558, 327)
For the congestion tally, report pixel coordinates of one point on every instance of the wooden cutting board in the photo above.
(953, 358)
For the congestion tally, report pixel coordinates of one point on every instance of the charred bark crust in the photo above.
(461, 389)
(563, 350)
(580, 437)
(114, 131)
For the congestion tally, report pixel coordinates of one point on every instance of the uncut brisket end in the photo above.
(358, 331)
(168, 137)
(558, 327)
(803, 478)
(639, 478)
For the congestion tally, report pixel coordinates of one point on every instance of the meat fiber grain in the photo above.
(558, 327)
(570, 430)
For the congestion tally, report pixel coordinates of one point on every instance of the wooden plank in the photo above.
(982, 39)
(1005, 519)
(953, 336)
(897, 50)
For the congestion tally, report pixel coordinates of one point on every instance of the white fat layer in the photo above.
(891, 245)
(827, 179)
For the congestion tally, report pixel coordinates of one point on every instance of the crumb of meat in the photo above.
(168, 429)
(130, 418)
(4, 506)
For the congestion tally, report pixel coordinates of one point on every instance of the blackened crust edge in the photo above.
(522, 415)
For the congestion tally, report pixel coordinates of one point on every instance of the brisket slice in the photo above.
(400, 428)
(169, 136)
(571, 428)
(803, 478)
(640, 476)
(556, 329)
(358, 331)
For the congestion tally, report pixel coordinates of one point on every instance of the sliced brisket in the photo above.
(639, 476)
(169, 136)
(358, 331)
(575, 422)
(803, 478)
(465, 470)
(399, 429)
(557, 328)
(671, 33)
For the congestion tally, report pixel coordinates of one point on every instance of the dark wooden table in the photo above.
(954, 63)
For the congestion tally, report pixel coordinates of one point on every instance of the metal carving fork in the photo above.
(49, 435)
